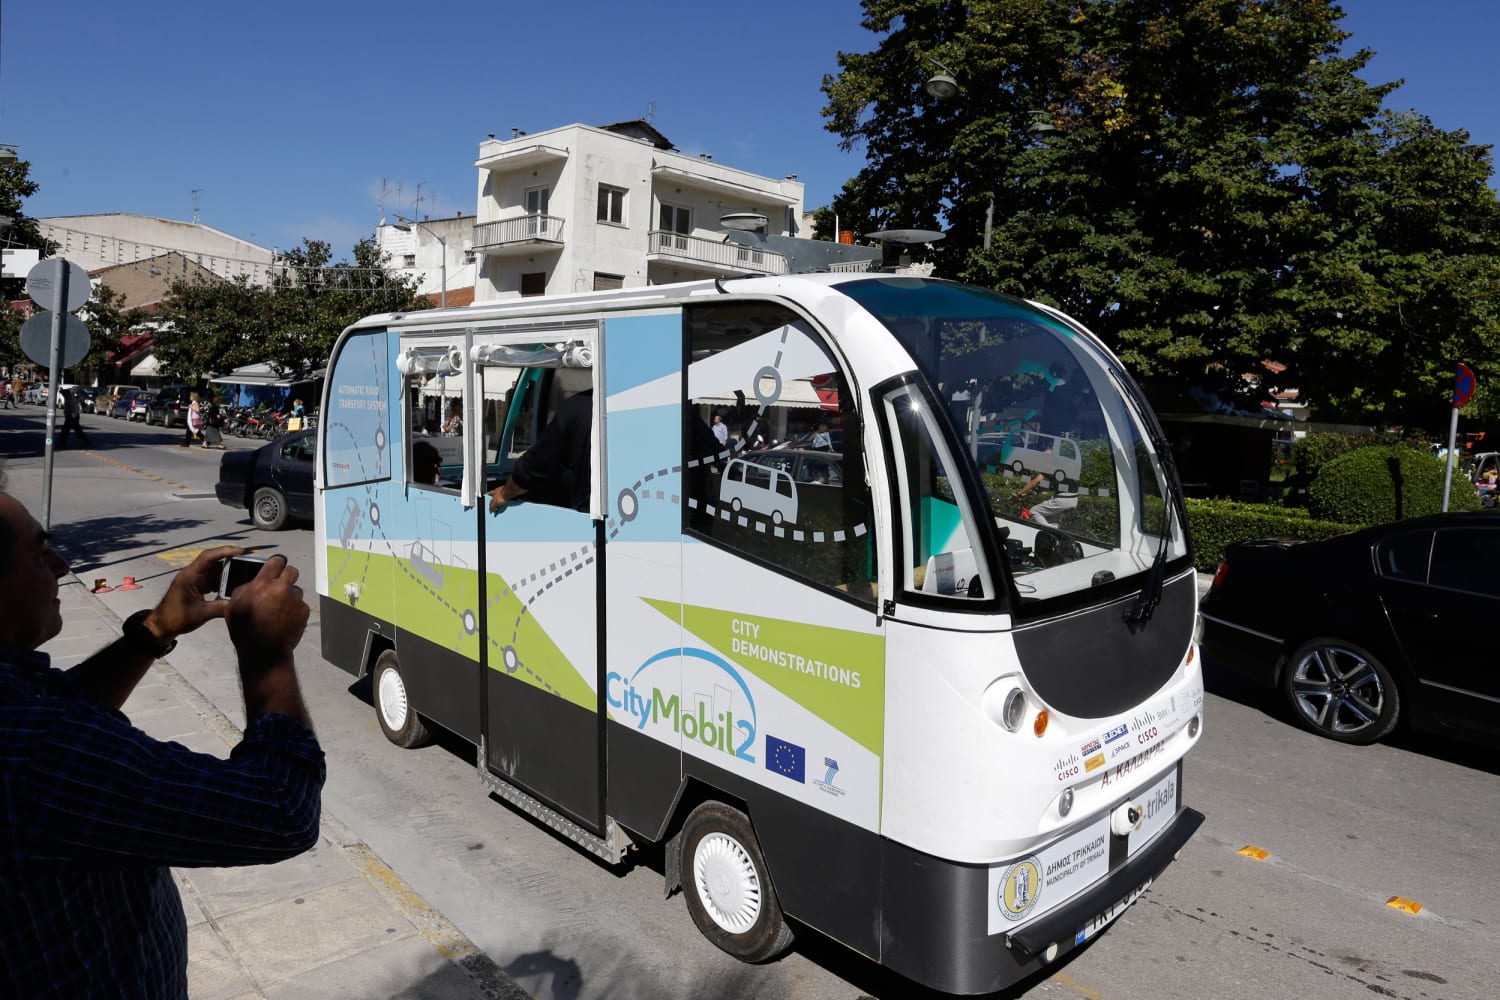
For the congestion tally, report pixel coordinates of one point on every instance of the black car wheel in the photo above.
(268, 509)
(1338, 690)
(728, 891)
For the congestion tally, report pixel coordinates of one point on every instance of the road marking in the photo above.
(131, 468)
(1255, 853)
(1404, 905)
(1062, 978)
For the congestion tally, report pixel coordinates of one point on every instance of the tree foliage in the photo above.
(1206, 183)
(216, 326)
(15, 186)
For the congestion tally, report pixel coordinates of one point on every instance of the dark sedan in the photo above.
(274, 482)
(1368, 630)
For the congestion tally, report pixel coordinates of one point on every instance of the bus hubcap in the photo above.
(727, 883)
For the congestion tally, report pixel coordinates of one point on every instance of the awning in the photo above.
(264, 374)
(149, 368)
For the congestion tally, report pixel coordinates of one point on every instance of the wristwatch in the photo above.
(138, 635)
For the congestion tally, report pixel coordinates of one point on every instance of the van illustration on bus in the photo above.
(759, 488)
(672, 639)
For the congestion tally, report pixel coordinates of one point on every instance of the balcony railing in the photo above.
(520, 230)
(852, 267)
(730, 256)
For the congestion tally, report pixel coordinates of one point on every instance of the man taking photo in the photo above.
(96, 811)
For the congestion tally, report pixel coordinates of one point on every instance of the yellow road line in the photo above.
(140, 472)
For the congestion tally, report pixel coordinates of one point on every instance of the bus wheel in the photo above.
(400, 723)
(729, 893)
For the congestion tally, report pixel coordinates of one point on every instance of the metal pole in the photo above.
(1452, 440)
(443, 247)
(989, 223)
(59, 312)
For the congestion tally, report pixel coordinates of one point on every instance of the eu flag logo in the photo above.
(786, 759)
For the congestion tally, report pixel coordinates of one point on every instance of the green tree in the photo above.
(15, 186)
(216, 326)
(1206, 183)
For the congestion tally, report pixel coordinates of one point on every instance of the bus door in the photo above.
(541, 723)
(405, 555)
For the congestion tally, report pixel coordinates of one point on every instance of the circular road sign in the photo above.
(1463, 385)
(42, 282)
(36, 339)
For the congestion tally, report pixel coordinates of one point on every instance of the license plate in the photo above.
(1104, 919)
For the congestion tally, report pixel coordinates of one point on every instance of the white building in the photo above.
(578, 207)
(437, 253)
(111, 239)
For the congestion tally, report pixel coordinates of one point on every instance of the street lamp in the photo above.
(941, 85)
(442, 245)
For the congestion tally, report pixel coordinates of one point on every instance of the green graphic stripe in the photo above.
(436, 610)
(836, 674)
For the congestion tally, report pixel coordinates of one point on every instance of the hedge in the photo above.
(1377, 485)
(1217, 524)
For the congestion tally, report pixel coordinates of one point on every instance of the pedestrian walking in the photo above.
(194, 423)
(72, 414)
(97, 812)
(213, 422)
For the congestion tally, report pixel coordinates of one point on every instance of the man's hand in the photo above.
(267, 616)
(503, 494)
(184, 607)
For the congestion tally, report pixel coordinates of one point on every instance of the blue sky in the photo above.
(291, 119)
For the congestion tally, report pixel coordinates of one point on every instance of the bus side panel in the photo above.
(353, 472)
(389, 547)
(643, 586)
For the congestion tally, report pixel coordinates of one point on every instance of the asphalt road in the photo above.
(1344, 829)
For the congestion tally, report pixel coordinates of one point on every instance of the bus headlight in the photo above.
(1005, 703)
(1014, 710)
(1065, 804)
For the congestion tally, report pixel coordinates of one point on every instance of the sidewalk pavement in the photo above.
(334, 922)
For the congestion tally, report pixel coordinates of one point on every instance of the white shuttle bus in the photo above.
(856, 690)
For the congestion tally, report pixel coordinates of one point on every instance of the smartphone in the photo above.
(238, 570)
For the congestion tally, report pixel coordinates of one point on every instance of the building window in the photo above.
(603, 281)
(538, 199)
(611, 205)
(409, 260)
(534, 283)
(675, 219)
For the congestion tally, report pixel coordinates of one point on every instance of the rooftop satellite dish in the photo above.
(745, 222)
(905, 235)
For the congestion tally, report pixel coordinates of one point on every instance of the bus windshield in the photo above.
(1049, 422)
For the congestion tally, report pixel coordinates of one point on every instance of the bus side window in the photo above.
(773, 447)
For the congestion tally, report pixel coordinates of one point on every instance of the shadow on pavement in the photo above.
(99, 542)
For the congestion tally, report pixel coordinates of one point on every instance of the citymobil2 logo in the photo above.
(722, 718)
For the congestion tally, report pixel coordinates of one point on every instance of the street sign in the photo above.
(36, 339)
(17, 262)
(1463, 385)
(42, 281)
